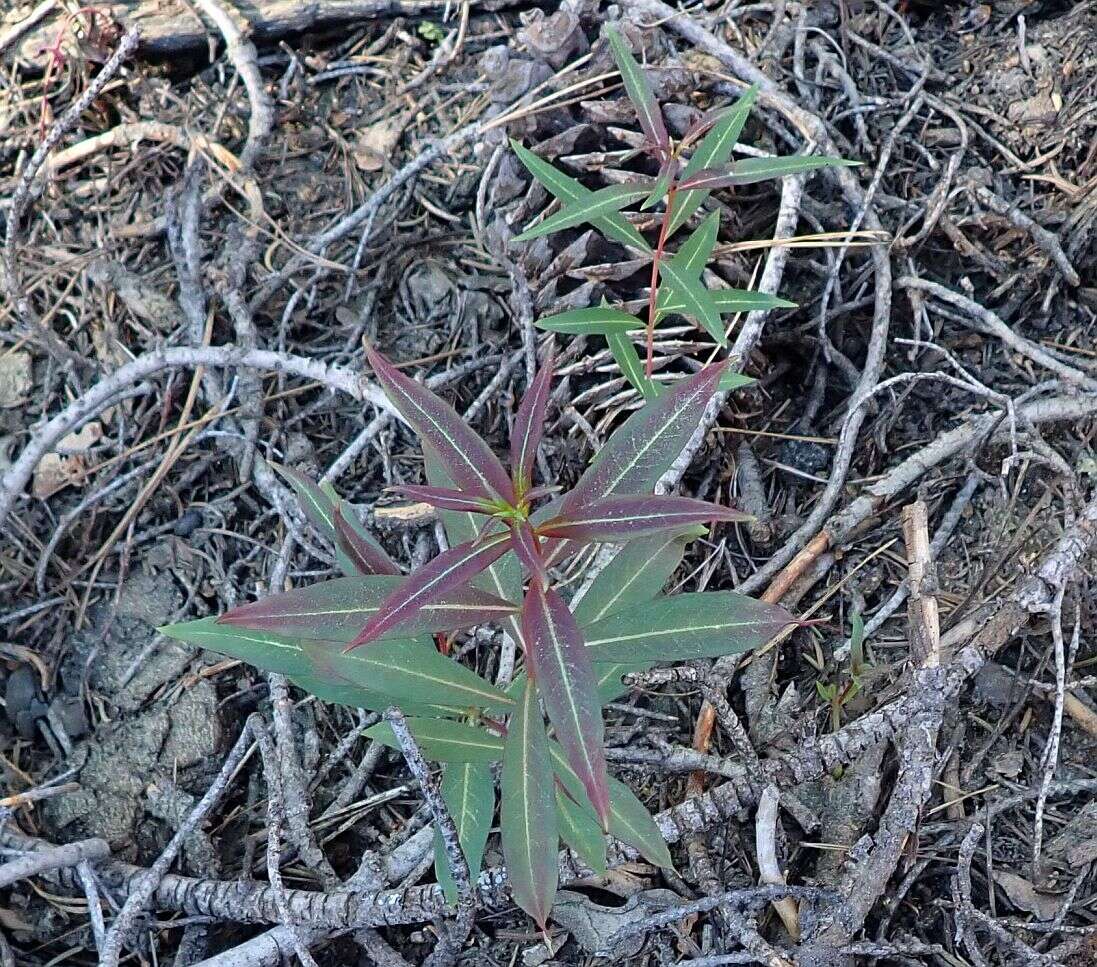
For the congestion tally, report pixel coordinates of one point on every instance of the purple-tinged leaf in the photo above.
(467, 459)
(527, 546)
(748, 171)
(450, 569)
(527, 812)
(624, 518)
(445, 498)
(337, 610)
(643, 449)
(713, 151)
(560, 665)
(525, 435)
(598, 204)
(366, 556)
(639, 92)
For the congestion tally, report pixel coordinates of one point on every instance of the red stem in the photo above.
(654, 290)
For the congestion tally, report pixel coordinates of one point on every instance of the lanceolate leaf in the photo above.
(639, 92)
(629, 821)
(339, 692)
(747, 171)
(662, 183)
(445, 741)
(449, 570)
(714, 150)
(445, 498)
(696, 298)
(525, 435)
(609, 676)
(468, 460)
(569, 190)
(734, 381)
(690, 259)
(729, 300)
(624, 352)
(408, 671)
(527, 815)
(683, 627)
(621, 518)
(637, 573)
(580, 830)
(364, 554)
(527, 546)
(469, 793)
(644, 448)
(320, 505)
(561, 667)
(604, 201)
(338, 610)
(598, 320)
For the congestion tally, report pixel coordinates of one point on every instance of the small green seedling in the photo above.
(688, 172)
(365, 639)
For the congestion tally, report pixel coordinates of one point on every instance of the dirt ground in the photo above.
(346, 177)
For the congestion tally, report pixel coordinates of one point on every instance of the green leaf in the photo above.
(598, 320)
(608, 677)
(730, 300)
(629, 821)
(734, 381)
(353, 696)
(263, 649)
(408, 671)
(696, 299)
(625, 355)
(690, 259)
(580, 830)
(705, 624)
(714, 149)
(569, 190)
(527, 816)
(637, 573)
(598, 204)
(639, 92)
(469, 793)
(749, 171)
(337, 610)
(662, 185)
(443, 741)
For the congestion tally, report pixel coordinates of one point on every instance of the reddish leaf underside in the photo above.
(562, 669)
(468, 460)
(627, 517)
(648, 443)
(525, 435)
(450, 569)
(366, 557)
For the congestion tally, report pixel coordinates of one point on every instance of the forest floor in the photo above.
(189, 275)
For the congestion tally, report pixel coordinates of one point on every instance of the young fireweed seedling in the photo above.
(688, 172)
(365, 640)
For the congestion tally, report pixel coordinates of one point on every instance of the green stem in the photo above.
(654, 292)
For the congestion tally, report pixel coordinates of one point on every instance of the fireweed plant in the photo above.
(681, 187)
(366, 640)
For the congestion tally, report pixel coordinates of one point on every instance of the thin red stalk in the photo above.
(654, 293)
